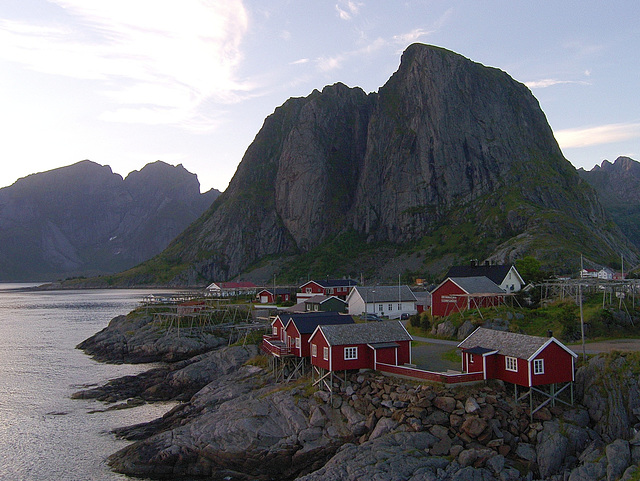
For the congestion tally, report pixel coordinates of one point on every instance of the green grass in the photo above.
(452, 355)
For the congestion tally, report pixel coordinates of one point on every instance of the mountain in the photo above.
(449, 161)
(85, 220)
(618, 187)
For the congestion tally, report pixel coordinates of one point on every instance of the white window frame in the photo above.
(297, 342)
(538, 366)
(314, 350)
(274, 331)
(325, 353)
(380, 307)
(511, 363)
(350, 353)
(390, 307)
(470, 358)
(399, 307)
(308, 290)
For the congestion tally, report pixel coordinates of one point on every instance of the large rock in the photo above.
(618, 458)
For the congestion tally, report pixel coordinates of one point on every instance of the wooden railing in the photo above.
(446, 378)
(274, 346)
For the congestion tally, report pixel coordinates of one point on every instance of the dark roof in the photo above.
(495, 273)
(513, 344)
(365, 333)
(478, 285)
(279, 290)
(334, 282)
(479, 350)
(385, 293)
(319, 299)
(383, 345)
(306, 322)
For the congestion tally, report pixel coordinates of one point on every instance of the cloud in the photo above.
(411, 37)
(148, 56)
(544, 83)
(350, 9)
(602, 134)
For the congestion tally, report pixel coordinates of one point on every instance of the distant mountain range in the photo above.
(449, 161)
(84, 220)
(618, 188)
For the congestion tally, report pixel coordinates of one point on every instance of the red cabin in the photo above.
(299, 327)
(457, 294)
(517, 358)
(331, 287)
(360, 346)
(266, 296)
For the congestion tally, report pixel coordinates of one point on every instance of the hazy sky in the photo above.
(128, 82)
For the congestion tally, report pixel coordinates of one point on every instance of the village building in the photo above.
(231, 289)
(505, 276)
(360, 346)
(423, 301)
(458, 294)
(389, 301)
(517, 358)
(271, 296)
(288, 343)
(325, 304)
(330, 287)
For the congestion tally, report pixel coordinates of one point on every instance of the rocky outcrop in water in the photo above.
(137, 338)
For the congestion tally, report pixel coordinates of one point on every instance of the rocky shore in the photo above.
(235, 423)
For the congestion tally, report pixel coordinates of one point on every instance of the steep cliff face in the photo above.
(618, 187)
(449, 158)
(84, 219)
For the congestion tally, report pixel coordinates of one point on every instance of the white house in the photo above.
(389, 301)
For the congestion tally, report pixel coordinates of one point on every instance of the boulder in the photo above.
(445, 403)
(473, 426)
(618, 458)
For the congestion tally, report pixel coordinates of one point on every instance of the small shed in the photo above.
(457, 294)
(517, 358)
(360, 346)
(271, 295)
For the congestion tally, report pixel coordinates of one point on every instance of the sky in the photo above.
(128, 82)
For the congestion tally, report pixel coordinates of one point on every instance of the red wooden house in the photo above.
(517, 358)
(266, 296)
(299, 327)
(360, 346)
(457, 294)
(290, 331)
(330, 287)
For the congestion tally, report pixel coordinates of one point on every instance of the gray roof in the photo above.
(386, 293)
(319, 299)
(478, 285)
(506, 343)
(365, 333)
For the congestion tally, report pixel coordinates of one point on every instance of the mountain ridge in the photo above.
(83, 219)
(450, 160)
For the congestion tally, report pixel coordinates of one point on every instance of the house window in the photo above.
(314, 350)
(308, 290)
(380, 307)
(274, 330)
(330, 290)
(538, 366)
(315, 307)
(350, 353)
(325, 353)
(390, 307)
(511, 364)
(399, 307)
(470, 358)
(298, 342)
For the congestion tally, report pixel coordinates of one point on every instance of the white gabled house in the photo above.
(389, 301)
(505, 276)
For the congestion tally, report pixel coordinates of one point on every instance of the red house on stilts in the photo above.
(337, 348)
(533, 362)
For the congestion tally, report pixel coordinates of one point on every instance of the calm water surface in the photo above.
(45, 435)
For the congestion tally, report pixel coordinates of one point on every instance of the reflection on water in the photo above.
(43, 433)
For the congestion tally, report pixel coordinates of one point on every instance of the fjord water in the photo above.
(44, 434)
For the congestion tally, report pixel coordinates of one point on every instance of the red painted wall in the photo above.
(364, 361)
(557, 366)
(475, 366)
(293, 334)
(319, 340)
(440, 308)
(278, 325)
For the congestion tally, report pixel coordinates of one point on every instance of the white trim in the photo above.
(314, 350)
(325, 353)
(529, 373)
(352, 351)
(549, 341)
(510, 360)
(484, 367)
(539, 362)
(330, 358)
